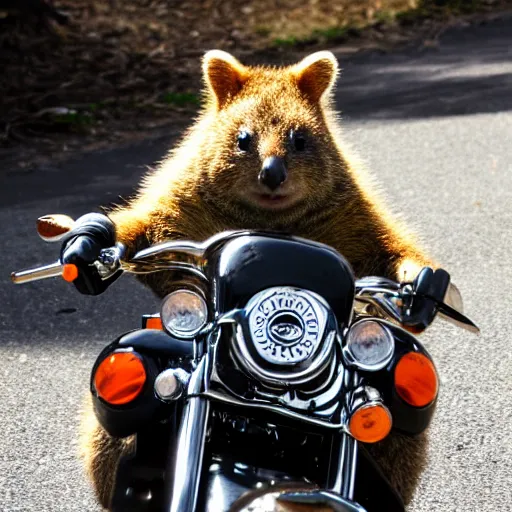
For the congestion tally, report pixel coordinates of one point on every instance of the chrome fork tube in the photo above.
(186, 464)
(184, 467)
(342, 471)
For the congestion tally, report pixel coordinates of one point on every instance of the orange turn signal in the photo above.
(120, 378)
(370, 423)
(154, 322)
(69, 272)
(416, 379)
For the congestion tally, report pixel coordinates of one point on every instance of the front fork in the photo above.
(342, 470)
(342, 466)
(184, 467)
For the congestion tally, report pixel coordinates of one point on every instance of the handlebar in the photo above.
(374, 296)
(108, 262)
(67, 271)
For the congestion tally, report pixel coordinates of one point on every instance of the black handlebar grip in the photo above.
(82, 246)
(96, 226)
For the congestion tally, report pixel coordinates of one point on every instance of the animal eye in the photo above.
(299, 142)
(244, 141)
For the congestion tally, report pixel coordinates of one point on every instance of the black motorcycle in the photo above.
(268, 364)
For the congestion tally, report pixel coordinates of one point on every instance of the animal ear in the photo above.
(223, 75)
(316, 74)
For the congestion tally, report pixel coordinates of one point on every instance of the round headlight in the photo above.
(369, 346)
(184, 313)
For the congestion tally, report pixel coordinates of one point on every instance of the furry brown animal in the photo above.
(212, 182)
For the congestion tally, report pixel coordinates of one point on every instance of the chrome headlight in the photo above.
(184, 313)
(370, 345)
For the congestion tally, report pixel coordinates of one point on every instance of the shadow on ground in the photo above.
(469, 71)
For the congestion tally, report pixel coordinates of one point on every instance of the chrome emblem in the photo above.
(286, 325)
(286, 328)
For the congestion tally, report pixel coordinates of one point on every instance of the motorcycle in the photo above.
(269, 367)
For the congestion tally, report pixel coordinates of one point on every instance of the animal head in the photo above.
(268, 153)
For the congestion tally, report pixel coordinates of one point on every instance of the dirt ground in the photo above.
(119, 70)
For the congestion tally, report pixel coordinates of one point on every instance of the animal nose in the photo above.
(273, 172)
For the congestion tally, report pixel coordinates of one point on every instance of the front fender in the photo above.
(156, 348)
(406, 418)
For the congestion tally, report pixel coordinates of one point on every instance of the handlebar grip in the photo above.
(68, 272)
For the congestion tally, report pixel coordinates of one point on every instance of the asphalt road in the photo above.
(435, 127)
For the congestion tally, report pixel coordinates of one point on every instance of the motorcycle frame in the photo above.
(184, 471)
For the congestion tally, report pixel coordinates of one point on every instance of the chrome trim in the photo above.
(185, 464)
(191, 252)
(109, 260)
(175, 256)
(384, 307)
(148, 268)
(320, 498)
(316, 401)
(223, 397)
(226, 482)
(184, 491)
(280, 378)
(361, 397)
(379, 289)
(267, 305)
(321, 398)
(352, 464)
(198, 378)
(341, 477)
(376, 281)
(36, 274)
(384, 295)
(181, 378)
(345, 469)
(283, 374)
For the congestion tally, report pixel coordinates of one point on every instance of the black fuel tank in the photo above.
(253, 262)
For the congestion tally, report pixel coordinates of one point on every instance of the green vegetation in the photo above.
(336, 34)
(288, 41)
(181, 99)
(74, 118)
(385, 16)
(327, 35)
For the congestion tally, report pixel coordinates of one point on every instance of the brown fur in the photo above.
(101, 453)
(402, 459)
(207, 185)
